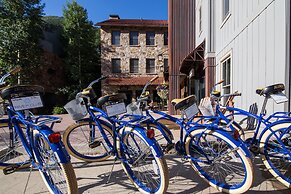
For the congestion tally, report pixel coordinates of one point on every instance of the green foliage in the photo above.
(59, 110)
(20, 31)
(82, 57)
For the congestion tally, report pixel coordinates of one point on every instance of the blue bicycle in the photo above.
(218, 157)
(270, 137)
(103, 134)
(27, 140)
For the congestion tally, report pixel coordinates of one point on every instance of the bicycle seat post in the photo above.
(264, 106)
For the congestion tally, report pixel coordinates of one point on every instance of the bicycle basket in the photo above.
(76, 108)
(113, 104)
(23, 97)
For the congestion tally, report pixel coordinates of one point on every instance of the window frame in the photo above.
(149, 40)
(226, 74)
(113, 39)
(149, 67)
(131, 40)
(131, 60)
(112, 65)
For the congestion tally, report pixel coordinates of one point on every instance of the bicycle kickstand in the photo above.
(111, 170)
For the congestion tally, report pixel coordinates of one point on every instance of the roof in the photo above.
(132, 81)
(134, 22)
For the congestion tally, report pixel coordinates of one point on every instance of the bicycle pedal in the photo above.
(255, 149)
(10, 169)
(95, 144)
(169, 147)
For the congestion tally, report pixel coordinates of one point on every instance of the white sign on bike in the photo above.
(191, 111)
(115, 109)
(25, 103)
(279, 97)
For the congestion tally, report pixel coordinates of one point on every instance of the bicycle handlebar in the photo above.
(12, 72)
(97, 80)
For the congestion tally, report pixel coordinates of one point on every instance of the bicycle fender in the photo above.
(273, 126)
(151, 142)
(237, 143)
(58, 148)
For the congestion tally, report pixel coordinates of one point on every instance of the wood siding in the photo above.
(255, 36)
(181, 41)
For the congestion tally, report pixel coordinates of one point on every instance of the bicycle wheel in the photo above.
(79, 144)
(58, 177)
(276, 152)
(219, 161)
(140, 160)
(12, 151)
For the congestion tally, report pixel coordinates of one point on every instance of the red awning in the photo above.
(132, 81)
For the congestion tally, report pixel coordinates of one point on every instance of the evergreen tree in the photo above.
(20, 32)
(82, 57)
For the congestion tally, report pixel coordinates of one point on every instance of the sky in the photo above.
(99, 10)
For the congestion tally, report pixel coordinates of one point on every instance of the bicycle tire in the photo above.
(274, 155)
(58, 177)
(76, 138)
(238, 177)
(156, 178)
(12, 154)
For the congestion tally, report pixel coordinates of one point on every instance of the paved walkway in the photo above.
(93, 177)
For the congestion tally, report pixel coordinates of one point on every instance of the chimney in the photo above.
(114, 17)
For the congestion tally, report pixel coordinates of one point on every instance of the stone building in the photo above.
(133, 51)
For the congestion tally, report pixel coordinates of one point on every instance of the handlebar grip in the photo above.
(103, 77)
(15, 70)
(154, 78)
(221, 81)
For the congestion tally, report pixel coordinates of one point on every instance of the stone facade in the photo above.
(124, 51)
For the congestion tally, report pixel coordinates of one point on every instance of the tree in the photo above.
(82, 57)
(20, 32)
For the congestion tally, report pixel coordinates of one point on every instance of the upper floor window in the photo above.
(133, 63)
(150, 66)
(166, 38)
(226, 75)
(225, 8)
(115, 38)
(133, 38)
(150, 38)
(115, 65)
(166, 65)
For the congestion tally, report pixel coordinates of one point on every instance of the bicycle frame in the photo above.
(260, 118)
(15, 118)
(96, 115)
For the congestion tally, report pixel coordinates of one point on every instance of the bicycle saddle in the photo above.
(182, 103)
(273, 89)
(111, 98)
(21, 91)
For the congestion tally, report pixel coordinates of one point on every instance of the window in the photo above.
(133, 38)
(166, 66)
(226, 73)
(150, 38)
(166, 38)
(115, 66)
(225, 8)
(150, 66)
(115, 38)
(133, 65)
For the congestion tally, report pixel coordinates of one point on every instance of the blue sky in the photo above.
(99, 10)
